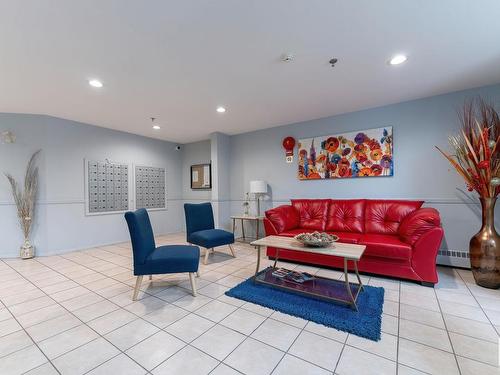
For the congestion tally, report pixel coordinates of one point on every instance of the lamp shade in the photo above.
(258, 187)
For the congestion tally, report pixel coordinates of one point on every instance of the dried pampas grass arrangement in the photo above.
(25, 202)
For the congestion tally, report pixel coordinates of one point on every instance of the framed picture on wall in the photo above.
(201, 176)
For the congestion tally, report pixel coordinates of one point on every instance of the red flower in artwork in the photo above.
(344, 171)
(376, 169)
(331, 145)
(344, 162)
(373, 144)
(361, 157)
(360, 148)
(332, 167)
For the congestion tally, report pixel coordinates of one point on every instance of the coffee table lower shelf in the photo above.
(320, 287)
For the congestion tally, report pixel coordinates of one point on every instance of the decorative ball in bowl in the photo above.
(316, 239)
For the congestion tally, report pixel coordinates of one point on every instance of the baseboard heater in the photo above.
(454, 258)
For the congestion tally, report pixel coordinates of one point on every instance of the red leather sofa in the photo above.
(402, 239)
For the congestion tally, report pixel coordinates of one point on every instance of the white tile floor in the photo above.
(73, 314)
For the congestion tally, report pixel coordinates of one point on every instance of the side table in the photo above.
(242, 218)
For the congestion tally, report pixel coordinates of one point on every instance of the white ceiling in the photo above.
(179, 60)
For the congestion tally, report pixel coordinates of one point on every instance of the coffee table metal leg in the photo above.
(242, 229)
(348, 286)
(361, 287)
(258, 261)
(276, 257)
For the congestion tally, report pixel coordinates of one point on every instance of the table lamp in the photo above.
(258, 187)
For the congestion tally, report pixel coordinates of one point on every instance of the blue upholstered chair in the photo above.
(152, 260)
(201, 230)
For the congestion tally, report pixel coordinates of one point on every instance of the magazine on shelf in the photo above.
(294, 276)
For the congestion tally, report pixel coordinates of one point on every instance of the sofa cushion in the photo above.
(312, 212)
(343, 237)
(346, 216)
(385, 216)
(385, 246)
(417, 223)
(283, 217)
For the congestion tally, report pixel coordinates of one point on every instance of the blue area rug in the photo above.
(366, 322)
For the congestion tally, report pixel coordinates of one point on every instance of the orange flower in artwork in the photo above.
(366, 172)
(361, 157)
(376, 154)
(321, 158)
(344, 171)
(331, 144)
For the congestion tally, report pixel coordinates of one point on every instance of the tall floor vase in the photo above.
(484, 248)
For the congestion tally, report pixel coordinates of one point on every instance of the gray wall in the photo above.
(61, 224)
(420, 172)
(221, 189)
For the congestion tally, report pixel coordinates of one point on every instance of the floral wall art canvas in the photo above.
(366, 153)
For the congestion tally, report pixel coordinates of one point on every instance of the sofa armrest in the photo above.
(269, 228)
(418, 223)
(424, 255)
(282, 218)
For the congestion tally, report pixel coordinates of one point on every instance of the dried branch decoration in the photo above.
(25, 198)
(476, 148)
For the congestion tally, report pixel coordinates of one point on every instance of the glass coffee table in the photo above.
(316, 286)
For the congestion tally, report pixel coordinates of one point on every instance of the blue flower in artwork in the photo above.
(335, 158)
(356, 167)
(386, 138)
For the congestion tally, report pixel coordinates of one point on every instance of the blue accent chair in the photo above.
(152, 260)
(201, 230)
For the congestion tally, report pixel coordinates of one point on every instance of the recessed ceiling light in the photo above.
(156, 127)
(95, 83)
(221, 109)
(398, 59)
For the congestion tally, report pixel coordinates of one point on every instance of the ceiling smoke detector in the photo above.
(155, 125)
(333, 61)
(287, 57)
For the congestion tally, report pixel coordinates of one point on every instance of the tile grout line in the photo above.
(57, 303)
(448, 333)
(194, 312)
(399, 323)
(31, 338)
(479, 304)
(148, 294)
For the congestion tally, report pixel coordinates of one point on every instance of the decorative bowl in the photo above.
(316, 239)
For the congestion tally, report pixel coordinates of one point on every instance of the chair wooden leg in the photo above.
(232, 251)
(150, 277)
(193, 283)
(138, 282)
(197, 273)
(205, 261)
